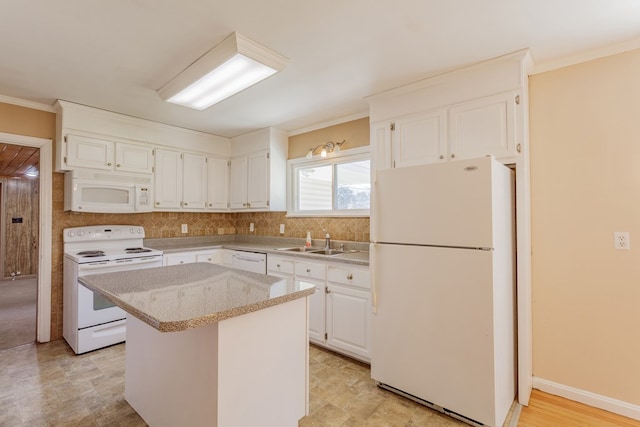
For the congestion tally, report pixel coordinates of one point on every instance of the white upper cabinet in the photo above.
(88, 152)
(419, 139)
(257, 176)
(484, 126)
(134, 158)
(168, 180)
(180, 181)
(238, 183)
(217, 183)
(472, 112)
(194, 181)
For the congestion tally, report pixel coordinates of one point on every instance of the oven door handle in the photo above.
(116, 263)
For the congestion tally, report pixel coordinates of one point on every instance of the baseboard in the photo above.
(597, 401)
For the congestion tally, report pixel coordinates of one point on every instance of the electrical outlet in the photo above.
(281, 228)
(185, 228)
(621, 240)
(251, 227)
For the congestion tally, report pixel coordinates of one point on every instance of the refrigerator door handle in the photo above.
(374, 293)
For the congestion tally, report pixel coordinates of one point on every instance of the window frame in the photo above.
(332, 159)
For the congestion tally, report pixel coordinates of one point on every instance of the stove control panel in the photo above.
(102, 232)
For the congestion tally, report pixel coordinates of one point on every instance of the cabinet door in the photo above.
(178, 258)
(168, 179)
(420, 139)
(348, 320)
(85, 152)
(484, 126)
(317, 313)
(380, 141)
(194, 181)
(217, 183)
(238, 183)
(258, 180)
(134, 158)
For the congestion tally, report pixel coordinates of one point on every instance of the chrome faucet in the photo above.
(327, 241)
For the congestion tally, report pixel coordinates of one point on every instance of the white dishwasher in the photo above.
(250, 261)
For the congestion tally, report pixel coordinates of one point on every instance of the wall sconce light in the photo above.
(329, 147)
(230, 67)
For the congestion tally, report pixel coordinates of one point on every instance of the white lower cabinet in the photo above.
(340, 309)
(213, 256)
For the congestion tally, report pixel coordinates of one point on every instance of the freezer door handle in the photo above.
(374, 293)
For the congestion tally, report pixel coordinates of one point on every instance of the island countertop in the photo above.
(179, 297)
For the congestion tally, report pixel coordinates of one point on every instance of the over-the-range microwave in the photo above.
(107, 192)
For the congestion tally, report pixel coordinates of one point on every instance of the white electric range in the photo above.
(89, 320)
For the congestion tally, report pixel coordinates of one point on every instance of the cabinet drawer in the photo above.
(279, 265)
(214, 257)
(179, 258)
(310, 270)
(350, 276)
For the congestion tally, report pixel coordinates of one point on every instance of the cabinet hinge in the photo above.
(268, 155)
(392, 126)
(394, 163)
(181, 157)
(206, 160)
(153, 152)
(267, 203)
(326, 336)
(517, 99)
(153, 169)
(65, 138)
(65, 158)
(228, 162)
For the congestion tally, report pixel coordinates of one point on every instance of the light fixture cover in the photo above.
(230, 67)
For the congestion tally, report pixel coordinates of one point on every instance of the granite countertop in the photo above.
(268, 245)
(180, 297)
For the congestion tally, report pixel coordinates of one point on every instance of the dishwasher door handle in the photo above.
(249, 259)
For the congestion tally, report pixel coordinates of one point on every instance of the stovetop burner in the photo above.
(90, 254)
(136, 250)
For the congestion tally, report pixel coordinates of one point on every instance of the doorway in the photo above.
(19, 228)
(44, 245)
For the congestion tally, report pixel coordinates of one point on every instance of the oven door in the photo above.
(93, 308)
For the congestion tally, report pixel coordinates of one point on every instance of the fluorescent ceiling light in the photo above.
(230, 67)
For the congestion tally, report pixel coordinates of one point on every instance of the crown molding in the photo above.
(28, 104)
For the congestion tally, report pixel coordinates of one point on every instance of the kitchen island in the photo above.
(210, 345)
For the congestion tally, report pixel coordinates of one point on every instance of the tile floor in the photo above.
(47, 385)
(17, 312)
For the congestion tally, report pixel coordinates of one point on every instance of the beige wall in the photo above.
(585, 174)
(355, 132)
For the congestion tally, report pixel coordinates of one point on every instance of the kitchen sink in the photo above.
(328, 252)
(297, 249)
(316, 251)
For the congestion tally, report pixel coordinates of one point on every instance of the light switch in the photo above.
(281, 228)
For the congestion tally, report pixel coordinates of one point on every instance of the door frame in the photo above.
(43, 316)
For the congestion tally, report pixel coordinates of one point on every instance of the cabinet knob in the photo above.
(181, 262)
(117, 165)
(244, 204)
(308, 270)
(210, 204)
(157, 203)
(185, 203)
(453, 156)
(109, 164)
(349, 276)
(326, 290)
(278, 265)
(441, 157)
(248, 205)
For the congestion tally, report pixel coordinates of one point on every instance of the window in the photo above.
(336, 186)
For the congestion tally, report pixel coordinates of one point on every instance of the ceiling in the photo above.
(115, 54)
(18, 161)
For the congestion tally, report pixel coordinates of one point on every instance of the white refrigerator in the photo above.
(443, 272)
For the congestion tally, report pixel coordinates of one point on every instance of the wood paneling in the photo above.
(21, 203)
(546, 410)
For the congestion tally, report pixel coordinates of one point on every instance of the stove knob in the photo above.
(131, 230)
(80, 233)
(71, 233)
(139, 230)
